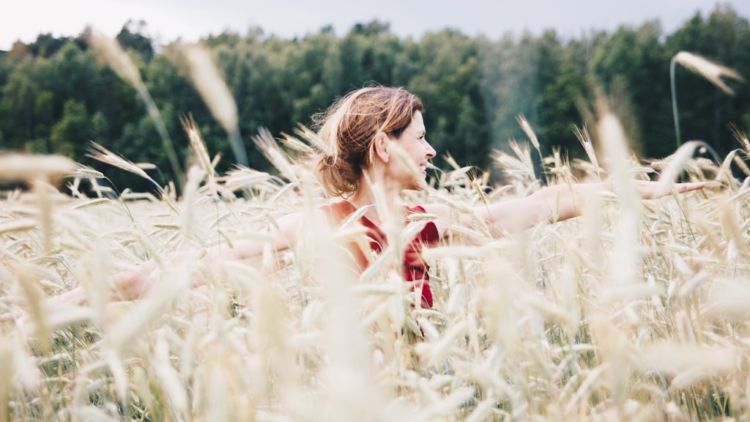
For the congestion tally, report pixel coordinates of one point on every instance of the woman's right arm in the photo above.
(281, 237)
(132, 284)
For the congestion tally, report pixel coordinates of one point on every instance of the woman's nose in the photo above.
(430, 150)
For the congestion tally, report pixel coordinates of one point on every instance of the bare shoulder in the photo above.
(290, 225)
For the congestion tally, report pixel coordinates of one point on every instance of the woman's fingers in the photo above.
(687, 187)
(654, 190)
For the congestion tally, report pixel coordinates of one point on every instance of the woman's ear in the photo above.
(381, 144)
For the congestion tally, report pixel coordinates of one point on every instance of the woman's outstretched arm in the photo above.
(550, 204)
(134, 282)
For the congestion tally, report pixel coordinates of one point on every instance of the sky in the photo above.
(191, 19)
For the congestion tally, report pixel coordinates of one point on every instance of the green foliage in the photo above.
(622, 65)
(448, 82)
(54, 96)
(71, 133)
(131, 37)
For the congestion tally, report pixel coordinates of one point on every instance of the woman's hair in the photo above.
(349, 126)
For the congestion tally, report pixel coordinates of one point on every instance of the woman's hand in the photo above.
(654, 190)
(131, 284)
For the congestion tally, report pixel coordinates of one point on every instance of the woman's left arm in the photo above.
(551, 204)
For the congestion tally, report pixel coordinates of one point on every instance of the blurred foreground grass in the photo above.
(636, 310)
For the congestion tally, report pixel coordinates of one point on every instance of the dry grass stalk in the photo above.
(35, 299)
(6, 376)
(741, 138)
(45, 205)
(100, 153)
(28, 167)
(20, 225)
(585, 139)
(210, 84)
(206, 77)
(713, 72)
(625, 260)
(529, 131)
(117, 59)
(676, 162)
(671, 358)
(270, 148)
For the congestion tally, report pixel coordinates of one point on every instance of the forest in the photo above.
(56, 96)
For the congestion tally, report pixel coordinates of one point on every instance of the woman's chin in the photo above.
(420, 185)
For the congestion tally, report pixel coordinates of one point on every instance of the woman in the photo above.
(376, 137)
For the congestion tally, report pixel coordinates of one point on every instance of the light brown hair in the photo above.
(349, 126)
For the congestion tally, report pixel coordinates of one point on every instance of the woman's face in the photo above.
(414, 144)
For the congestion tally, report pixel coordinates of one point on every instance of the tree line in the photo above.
(55, 97)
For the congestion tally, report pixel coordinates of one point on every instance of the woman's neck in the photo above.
(366, 195)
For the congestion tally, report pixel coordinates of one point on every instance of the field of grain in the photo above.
(635, 310)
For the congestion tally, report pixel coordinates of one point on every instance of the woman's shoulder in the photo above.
(337, 210)
(290, 224)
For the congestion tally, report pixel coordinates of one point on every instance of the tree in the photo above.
(448, 83)
(131, 36)
(509, 86)
(47, 45)
(632, 67)
(44, 118)
(100, 128)
(71, 134)
(562, 87)
(17, 104)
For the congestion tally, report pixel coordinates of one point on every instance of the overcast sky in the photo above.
(191, 19)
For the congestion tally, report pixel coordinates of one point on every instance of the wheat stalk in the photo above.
(205, 75)
(713, 72)
(119, 61)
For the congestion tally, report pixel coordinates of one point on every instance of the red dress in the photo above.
(415, 269)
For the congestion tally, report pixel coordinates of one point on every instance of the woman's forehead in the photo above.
(417, 122)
